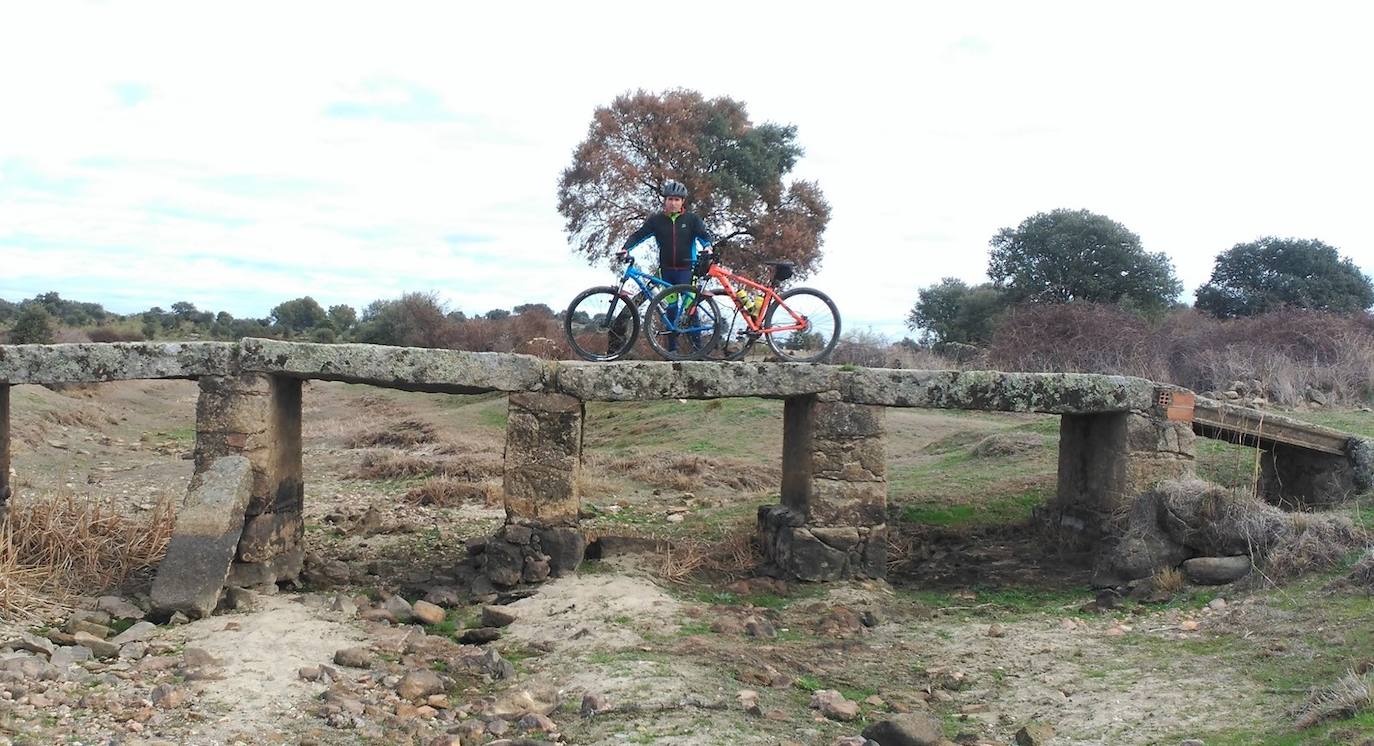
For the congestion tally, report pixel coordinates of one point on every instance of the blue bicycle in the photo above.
(602, 323)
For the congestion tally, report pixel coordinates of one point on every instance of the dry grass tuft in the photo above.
(1352, 694)
(55, 547)
(1315, 541)
(731, 558)
(1362, 574)
(1168, 580)
(690, 472)
(398, 434)
(446, 492)
(387, 464)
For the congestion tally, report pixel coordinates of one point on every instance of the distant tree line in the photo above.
(1078, 257)
(414, 319)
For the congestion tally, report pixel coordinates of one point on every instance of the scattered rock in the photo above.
(101, 648)
(749, 701)
(239, 599)
(400, 609)
(419, 684)
(377, 615)
(427, 613)
(118, 608)
(1034, 734)
(910, 729)
(536, 723)
(594, 704)
(139, 632)
(133, 651)
(995, 630)
(497, 616)
(479, 635)
(759, 627)
(1216, 604)
(358, 657)
(833, 705)
(167, 696)
(90, 628)
(32, 644)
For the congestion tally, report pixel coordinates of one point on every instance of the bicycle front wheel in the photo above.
(601, 323)
(807, 326)
(682, 323)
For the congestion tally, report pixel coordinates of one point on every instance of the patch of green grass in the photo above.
(998, 510)
(179, 435)
(997, 601)
(808, 684)
(1047, 425)
(1359, 423)
(689, 629)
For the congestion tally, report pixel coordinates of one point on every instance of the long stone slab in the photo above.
(95, 362)
(636, 381)
(408, 368)
(990, 390)
(204, 540)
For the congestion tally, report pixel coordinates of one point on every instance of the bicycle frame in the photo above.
(770, 296)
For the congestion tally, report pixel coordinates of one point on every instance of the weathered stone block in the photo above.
(836, 502)
(542, 494)
(269, 534)
(862, 459)
(542, 459)
(204, 541)
(1298, 478)
(564, 546)
(279, 569)
(837, 420)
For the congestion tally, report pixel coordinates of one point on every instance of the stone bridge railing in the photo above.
(242, 520)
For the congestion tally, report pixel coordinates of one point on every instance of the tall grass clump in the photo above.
(55, 547)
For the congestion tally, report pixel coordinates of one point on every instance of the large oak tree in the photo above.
(1274, 273)
(734, 169)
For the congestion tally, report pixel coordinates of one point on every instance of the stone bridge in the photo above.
(241, 523)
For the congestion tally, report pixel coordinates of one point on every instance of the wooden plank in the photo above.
(1252, 426)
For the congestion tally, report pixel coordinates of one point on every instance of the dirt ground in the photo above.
(983, 626)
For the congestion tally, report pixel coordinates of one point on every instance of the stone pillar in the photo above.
(832, 523)
(259, 417)
(1106, 460)
(543, 460)
(6, 490)
(1298, 478)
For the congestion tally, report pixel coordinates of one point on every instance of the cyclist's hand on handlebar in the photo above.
(622, 256)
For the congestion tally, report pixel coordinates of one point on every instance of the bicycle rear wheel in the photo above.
(682, 323)
(818, 323)
(601, 323)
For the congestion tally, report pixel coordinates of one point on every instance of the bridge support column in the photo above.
(1106, 460)
(1299, 478)
(543, 461)
(257, 417)
(6, 490)
(832, 523)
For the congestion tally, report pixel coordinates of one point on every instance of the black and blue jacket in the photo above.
(677, 235)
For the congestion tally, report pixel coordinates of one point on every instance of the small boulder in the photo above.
(479, 635)
(139, 632)
(118, 608)
(427, 613)
(419, 684)
(833, 705)
(399, 608)
(101, 648)
(1034, 734)
(497, 616)
(594, 704)
(906, 730)
(357, 657)
(1216, 570)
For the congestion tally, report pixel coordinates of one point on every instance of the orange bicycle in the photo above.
(801, 325)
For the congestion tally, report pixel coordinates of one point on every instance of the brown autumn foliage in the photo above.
(1291, 353)
(733, 169)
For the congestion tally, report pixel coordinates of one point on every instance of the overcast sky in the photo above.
(236, 155)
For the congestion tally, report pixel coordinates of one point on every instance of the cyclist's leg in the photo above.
(675, 277)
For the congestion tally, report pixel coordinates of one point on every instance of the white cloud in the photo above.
(243, 154)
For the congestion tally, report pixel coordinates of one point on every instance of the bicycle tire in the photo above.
(660, 329)
(736, 339)
(619, 334)
(788, 347)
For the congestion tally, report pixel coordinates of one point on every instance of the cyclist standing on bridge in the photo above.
(677, 232)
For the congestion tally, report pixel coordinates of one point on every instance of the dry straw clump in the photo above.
(54, 547)
(388, 464)
(691, 472)
(399, 434)
(447, 492)
(731, 558)
(1351, 695)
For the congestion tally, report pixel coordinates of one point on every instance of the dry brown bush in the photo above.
(446, 492)
(388, 464)
(399, 434)
(1168, 580)
(691, 471)
(1289, 352)
(107, 334)
(54, 547)
(1362, 574)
